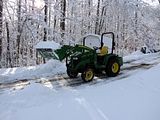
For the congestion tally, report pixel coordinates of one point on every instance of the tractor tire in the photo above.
(113, 68)
(72, 74)
(87, 75)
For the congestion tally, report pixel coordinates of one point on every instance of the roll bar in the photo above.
(113, 39)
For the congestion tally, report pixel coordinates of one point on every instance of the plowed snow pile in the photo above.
(51, 68)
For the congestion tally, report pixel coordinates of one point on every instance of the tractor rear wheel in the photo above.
(113, 68)
(72, 74)
(88, 75)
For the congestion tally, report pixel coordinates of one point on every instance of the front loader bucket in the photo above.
(48, 53)
(58, 54)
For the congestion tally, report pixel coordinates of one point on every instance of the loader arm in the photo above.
(66, 50)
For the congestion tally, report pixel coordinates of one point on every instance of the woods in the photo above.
(23, 23)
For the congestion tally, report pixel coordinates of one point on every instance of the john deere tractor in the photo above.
(87, 58)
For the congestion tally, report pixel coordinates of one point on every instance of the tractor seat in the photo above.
(103, 51)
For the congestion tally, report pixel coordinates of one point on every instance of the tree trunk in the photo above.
(55, 18)
(45, 19)
(18, 28)
(8, 47)
(55, 22)
(97, 19)
(1, 26)
(136, 26)
(89, 15)
(33, 6)
(62, 20)
(50, 14)
(103, 13)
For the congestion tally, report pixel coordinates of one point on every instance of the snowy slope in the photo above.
(134, 98)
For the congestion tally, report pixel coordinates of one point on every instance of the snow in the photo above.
(47, 45)
(135, 97)
(152, 2)
(135, 56)
(51, 68)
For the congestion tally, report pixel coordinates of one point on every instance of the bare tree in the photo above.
(18, 27)
(45, 19)
(136, 24)
(63, 14)
(8, 47)
(103, 13)
(1, 26)
(90, 3)
(97, 17)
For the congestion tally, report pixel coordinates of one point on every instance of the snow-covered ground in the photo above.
(135, 97)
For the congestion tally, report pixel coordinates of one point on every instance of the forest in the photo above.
(23, 23)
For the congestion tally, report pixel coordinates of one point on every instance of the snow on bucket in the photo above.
(47, 48)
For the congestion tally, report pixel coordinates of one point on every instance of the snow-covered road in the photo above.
(54, 72)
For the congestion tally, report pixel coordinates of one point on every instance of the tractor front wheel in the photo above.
(113, 68)
(72, 74)
(87, 75)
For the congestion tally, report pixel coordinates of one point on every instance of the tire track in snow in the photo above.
(93, 112)
(65, 81)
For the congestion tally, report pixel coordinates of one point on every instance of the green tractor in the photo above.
(88, 60)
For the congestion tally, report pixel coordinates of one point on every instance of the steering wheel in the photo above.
(95, 47)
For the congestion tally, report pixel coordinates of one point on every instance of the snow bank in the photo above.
(51, 68)
(135, 56)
